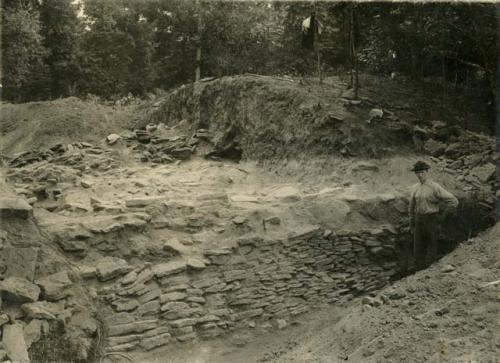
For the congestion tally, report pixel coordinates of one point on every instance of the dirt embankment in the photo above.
(41, 124)
(264, 118)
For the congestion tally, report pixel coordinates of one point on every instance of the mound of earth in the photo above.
(264, 117)
(37, 124)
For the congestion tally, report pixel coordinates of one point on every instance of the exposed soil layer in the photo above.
(267, 117)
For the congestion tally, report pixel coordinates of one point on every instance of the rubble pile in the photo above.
(81, 154)
(469, 156)
(37, 175)
(160, 144)
(34, 302)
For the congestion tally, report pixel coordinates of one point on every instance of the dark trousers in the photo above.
(425, 240)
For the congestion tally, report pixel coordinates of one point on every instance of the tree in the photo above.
(24, 74)
(60, 30)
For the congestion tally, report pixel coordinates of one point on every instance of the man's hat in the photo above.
(420, 166)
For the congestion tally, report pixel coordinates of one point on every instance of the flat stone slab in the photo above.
(135, 327)
(143, 201)
(287, 193)
(169, 268)
(42, 310)
(172, 296)
(14, 343)
(156, 341)
(240, 198)
(111, 267)
(182, 153)
(195, 264)
(174, 246)
(21, 262)
(55, 287)
(72, 245)
(485, 172)
(304, 233)
(18, 289)
(87, 272)
(12, 207)
(125, 305)
(32, 332)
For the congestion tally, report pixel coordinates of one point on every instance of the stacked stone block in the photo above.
(257, 281)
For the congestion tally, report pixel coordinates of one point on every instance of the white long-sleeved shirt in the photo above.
(427, 197)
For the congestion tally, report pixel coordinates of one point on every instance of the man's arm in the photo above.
(450, 201)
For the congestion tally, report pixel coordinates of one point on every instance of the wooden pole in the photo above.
(319, 63)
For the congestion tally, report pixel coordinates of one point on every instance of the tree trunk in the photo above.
(198, 49)
(354, 64)
(455, 84)
(349, 46)
(422, 89)
(319, 64)
(443, 74)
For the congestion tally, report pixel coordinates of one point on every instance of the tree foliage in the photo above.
(54, 48)
(23, 68)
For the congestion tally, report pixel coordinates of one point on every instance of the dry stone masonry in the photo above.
(257, 282)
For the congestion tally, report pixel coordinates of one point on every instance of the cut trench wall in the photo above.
(259, 280)
(268, 120)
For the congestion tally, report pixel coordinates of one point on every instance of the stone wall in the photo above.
(258, 282)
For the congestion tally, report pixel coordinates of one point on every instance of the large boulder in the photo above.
(19, 289)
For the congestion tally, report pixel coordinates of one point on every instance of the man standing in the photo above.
(428, 202)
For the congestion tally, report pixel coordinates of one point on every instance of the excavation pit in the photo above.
(222, 219)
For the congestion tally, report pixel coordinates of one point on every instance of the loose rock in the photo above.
(19, 290)
(448, 268)
(14, 343)
(55, 287)
(111, 267)
(11, 207)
